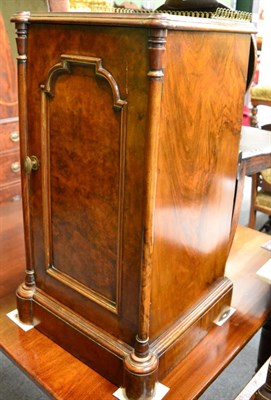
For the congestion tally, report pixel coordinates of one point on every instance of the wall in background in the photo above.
(10, 7)
(264, 28)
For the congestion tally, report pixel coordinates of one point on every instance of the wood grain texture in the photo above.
(8, 94)
(9, 149)
(198, 158)
(26, 289)
(157, 47)
(9, 134)
(128, 218)
(94, 224)
(258, 164)
(220, 346)
(11, 243)
(10, 168)
(97, 216)
(63, 376)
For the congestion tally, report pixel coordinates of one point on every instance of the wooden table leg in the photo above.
(264, 392)
(264, 351)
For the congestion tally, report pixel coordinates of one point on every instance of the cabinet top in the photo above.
(149, 19)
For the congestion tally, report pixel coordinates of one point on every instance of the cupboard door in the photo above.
(82, 178)
(87, 194)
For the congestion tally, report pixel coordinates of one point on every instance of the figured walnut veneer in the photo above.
(102, 282)
(128, 221)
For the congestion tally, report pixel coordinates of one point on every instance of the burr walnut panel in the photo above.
(89, 258)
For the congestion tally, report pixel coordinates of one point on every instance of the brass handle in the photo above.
(14, 136)
(15, 167)
(31, 163)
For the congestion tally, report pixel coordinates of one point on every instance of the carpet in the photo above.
(15, 385)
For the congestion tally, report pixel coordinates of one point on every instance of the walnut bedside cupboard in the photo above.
(130, 129)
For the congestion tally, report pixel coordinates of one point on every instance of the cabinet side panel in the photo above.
(204, 89)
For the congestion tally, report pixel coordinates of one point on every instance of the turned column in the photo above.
(27, 288)
(141, 366)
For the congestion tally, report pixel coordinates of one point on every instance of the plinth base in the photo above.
(108, 355)
(161, 391)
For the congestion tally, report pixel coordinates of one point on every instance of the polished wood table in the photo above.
(65, 377)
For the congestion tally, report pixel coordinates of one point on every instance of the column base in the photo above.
(140, 377)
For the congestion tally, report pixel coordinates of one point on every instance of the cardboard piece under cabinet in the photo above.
(130, 129)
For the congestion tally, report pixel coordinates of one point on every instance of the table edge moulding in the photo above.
(156, 279)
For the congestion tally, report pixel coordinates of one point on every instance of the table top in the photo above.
(64, 377)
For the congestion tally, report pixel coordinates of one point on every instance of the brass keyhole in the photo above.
(31, 163)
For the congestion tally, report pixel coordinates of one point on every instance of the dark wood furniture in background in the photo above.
(10, 180)
(130, 161)
(254, 156)
(65, 377)
(259, 96)
(256, 149)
